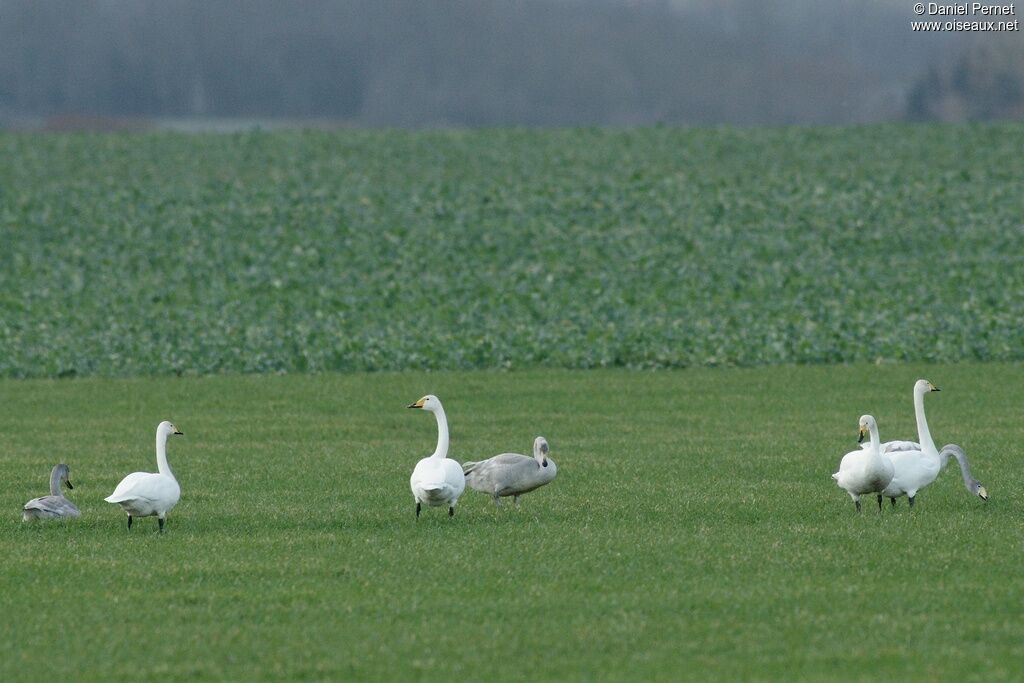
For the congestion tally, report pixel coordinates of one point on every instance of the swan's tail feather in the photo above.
(836, 476)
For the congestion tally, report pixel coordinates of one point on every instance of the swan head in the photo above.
(980, 491)
(166, 429)
(540, 451)
(867, 425)
(923, 386)
(63, 474)
(428, 402)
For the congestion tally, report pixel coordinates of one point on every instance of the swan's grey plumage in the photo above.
(512, 474)
(55, 505)
(972, 485)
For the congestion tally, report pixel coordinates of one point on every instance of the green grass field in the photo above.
(693, 531)
(172, 254)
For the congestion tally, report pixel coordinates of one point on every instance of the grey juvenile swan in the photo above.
(511, 474)
(55, 505)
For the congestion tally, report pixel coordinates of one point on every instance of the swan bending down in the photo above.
(864, 470)
(972, 485)
(144, 494)
(55, 505)
(511, 474)
(915, 469)
(437, 479)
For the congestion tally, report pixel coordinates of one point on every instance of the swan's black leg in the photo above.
(451, 511)
(893, 501)
(161, 520)
(129, 522)
(879, 502)
(417, 509)
(857, 504)
(911, 499)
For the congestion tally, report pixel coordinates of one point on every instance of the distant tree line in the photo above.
(468, 62)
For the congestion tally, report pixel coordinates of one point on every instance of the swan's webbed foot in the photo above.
(879, 502)
(417, 509)
(856, 504)
(129, 522)
(161, 521)
(893, 501)
(911, 499)
(451, 510)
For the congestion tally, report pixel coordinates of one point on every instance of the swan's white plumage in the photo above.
(145, 494)
(437, 480)
(915, 468)
(864, 470)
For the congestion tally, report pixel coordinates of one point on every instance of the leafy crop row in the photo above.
(164, 253)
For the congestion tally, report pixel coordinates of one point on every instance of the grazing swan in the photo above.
(55, 505)
(143, 494)
(914, 469)
(973, 486)
(864, 470)
(511, 474)
(437, 479)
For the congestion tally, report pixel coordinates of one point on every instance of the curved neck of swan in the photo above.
(161, 455)
(876, 443)
(55, 482)
(923, 435)
(965, 469)
(441, 451)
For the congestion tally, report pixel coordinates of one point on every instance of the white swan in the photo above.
(511, 474)
(864, 470)
(55, 505)
(915, 469)
(144, 494)
(437, 479)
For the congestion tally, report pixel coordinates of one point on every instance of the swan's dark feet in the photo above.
(161, 520)
(417, 510)
(451, 511)
(893, 501)
(911, 499)
(857, 504)
(879, 502)
(129, 522)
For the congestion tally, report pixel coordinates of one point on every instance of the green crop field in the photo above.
(165, 253)
(693, 531)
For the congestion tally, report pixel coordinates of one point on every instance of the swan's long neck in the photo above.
(965, 470)
(876, 444)
(161, 455)
(441, 451)
(55, 482)
(923, 435)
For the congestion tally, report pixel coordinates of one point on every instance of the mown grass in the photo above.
(168, 253)
(693, 531)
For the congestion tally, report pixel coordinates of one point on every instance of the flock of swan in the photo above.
(891, 469)
(437, 480)
(900, 468)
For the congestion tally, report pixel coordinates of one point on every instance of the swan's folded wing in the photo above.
(896, 446)
(53, 506)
